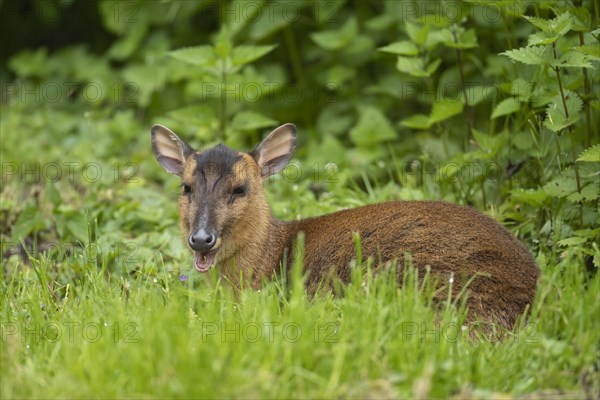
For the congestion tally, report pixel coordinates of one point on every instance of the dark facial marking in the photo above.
(216, 162)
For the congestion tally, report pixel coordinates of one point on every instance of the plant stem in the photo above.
(586, 102)
(296, 61)
(483, 196)
(509, 42)
(573, 154)
(290, 41)
(586, 88)
(468, 110)
(223, 105)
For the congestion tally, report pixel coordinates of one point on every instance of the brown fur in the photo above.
(451, 240)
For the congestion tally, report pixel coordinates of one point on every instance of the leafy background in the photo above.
(484, 103)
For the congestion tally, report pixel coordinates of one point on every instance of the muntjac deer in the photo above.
(227, 223)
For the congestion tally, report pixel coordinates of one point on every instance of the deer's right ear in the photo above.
(273, 153)
(169, 149)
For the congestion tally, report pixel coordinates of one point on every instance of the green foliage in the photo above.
(491, 104)
(556, 115)
(591, 154)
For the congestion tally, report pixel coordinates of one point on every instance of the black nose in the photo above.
(201, 240)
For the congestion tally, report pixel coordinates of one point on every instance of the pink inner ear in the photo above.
(168, 146)
(171, 165)
(275, 165)
(277, 148)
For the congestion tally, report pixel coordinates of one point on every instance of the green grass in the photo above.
(153, 335)
(123, 324)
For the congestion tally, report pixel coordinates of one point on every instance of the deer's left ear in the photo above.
(169, 149)
(274, 153)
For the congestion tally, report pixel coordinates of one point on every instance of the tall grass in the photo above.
(162, 335)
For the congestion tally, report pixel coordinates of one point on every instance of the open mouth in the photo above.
(203, 261)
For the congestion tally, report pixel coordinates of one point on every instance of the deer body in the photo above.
(227, 222)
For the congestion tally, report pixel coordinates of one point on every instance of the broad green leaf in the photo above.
(412, 65)
(339, 74)
(540, 23)
(539, 38)
(52, 194)
(223, 43)
(147, 78)
(200, 115)
(591, 50)
(199, 55)
(269, 20)
(464, 40)
(78, 226)
(123, 48)
(433, 66)
(28, 63)
(535, 55)
(489, 144)
(439, 36)
(445, 109)
(415, 66)
(590, 172)
(404, 48)
(417, 33)
(29, 221)
(417, 121)
(591, 154)
(522, 140)
(380, 22)
(557, 26)
(506, 107)
(336, 39)
(248, 120)
(561, 186)
(582, 19)
(522, 89)
(245, 54)
(361, 50)
(477, 94)
(572, 58)
(372, 128)
(533, 197)
(588, 233)
(556, 118)
(334, 119)
(561, 24)
(590, 192)
(572, 241)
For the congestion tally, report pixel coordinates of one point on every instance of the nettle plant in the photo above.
(540, 138)
(560, 94)
(225, 81)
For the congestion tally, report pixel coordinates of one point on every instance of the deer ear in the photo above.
(273, 153)
(169, 149)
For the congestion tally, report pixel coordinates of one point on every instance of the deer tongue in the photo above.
(203, 261)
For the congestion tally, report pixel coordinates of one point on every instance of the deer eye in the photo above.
(239, 190)
(187, 189)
